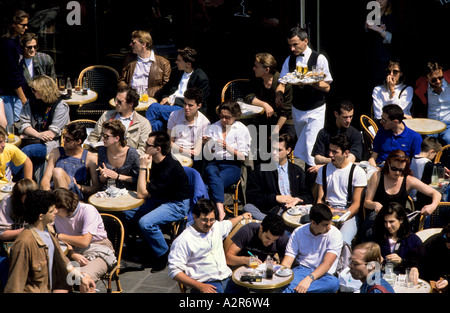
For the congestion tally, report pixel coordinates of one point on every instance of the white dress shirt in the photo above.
(186, 134)
(200, 255)
(381, 98)
(142, 71)
(238, 137)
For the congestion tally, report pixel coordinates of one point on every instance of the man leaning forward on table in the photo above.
(308, 101)
(316, 246)
(166, 191)
(137, 127)
(197, 258)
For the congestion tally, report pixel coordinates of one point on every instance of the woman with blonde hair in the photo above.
(42, 120)
(116, 160)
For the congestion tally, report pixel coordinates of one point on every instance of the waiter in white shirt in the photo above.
(308, 101)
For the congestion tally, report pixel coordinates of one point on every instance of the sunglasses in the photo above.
(105, 136)
(395, 169)
(148, 146)
(434, 79)
(395, 72)
(35, 47)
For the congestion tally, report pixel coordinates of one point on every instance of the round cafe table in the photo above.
(184, 160)
(2, 192)
(265, 285)
(124, 202)
(425, 126)
(421, 287)
(142, 106)
(80, 99)
(291, 220)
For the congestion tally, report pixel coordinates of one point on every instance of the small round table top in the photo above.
(265, 284)
(421, 287)
(80, 99)
(425, 126)
(292, 220)
(16, 141)
(124, 202)
(142, 106)
(183, 159)
(3, 192)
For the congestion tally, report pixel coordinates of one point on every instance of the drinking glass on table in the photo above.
(409, 279)
(10, 130)
(253, 263)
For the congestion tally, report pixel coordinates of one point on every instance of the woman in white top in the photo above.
(393, 91)
(227, 147)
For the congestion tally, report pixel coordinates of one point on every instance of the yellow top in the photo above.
(10, 153)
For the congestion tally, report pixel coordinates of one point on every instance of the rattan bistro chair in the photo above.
(116, 234)
(235, 89)
(103, 80)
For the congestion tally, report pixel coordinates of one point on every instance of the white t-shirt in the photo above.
(186, 135)
(337, 182)
(200, 256)
(417, 167)
(309, 250)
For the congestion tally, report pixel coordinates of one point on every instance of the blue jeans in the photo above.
(152, 215)
(159, 114)
(220, 175)
(325, 284)
(4, 270)
(37, 154)
(13, 106)
(224, 286)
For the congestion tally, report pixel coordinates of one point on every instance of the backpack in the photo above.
(378, 287)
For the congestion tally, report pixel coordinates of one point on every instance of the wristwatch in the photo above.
(312, 277)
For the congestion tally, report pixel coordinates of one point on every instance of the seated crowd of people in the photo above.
(59, 164)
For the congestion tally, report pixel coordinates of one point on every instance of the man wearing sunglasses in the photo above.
(434, 92)
(35, 63)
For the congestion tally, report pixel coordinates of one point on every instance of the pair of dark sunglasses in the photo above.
(434, 79)
(396, 169)
(395, 72)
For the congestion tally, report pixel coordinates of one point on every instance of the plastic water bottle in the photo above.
(269, 267)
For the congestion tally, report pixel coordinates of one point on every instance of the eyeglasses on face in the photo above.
(396, 169)
(225, 117)
(23, 25)
(106, 136)
(35, 47)
(147, 145)
(353, 263)
(206, 220)
(117, 101)
(434, 79)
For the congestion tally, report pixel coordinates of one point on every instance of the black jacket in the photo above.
(262, 187)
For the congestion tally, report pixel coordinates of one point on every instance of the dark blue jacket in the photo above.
(11, 71)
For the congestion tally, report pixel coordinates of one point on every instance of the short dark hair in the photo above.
(77, 130)
(117, 129)
(132, 95)
(298, 31)
(194, 94)
(320, 212)
(162, 140)
(430, 143)
(273, 223)
(379, 229)
(204, 206)
(36, 203)
(344, 105)
(188, 54)
(394, 112)
(28, 37)
(232, 106)
(289, 142)
(342, 141)
(66, 199)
